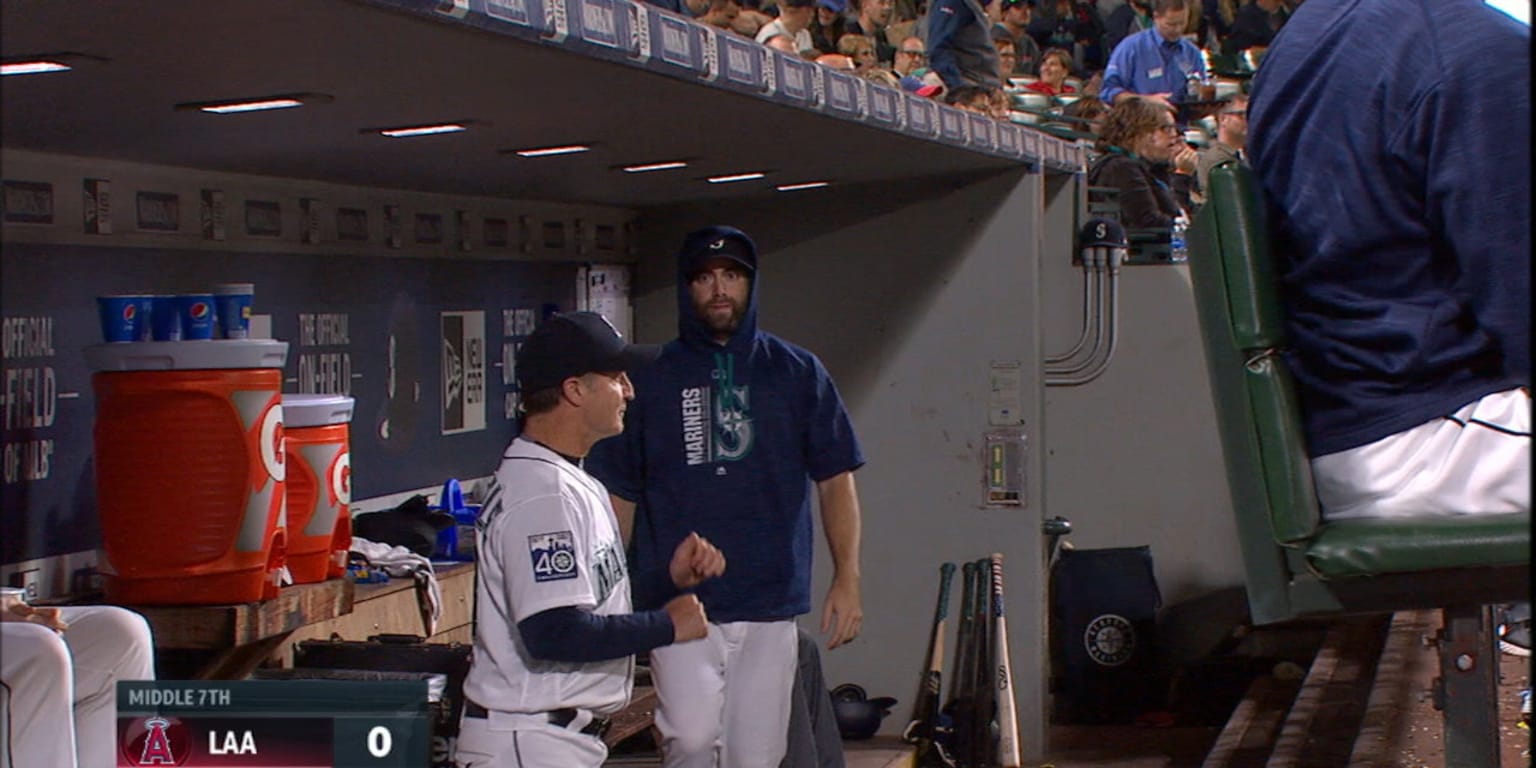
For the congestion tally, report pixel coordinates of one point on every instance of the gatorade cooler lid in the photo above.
(187, 355)
(316, 410)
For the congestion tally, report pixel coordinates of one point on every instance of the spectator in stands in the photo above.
(837, 61)
(1138, 147)
(1255, 25)
(911, 58)
(1131, 17)
(721, 14)
(751, 19)
(829, 26)
(1014, 24)
(1218, 16)
(991, 102)
(1055, 65)
(1007, 55)
(960, 48)
(782, 42)
(1231, 137)
(860, 49)
(794, 20)
(874, 16)
(1155, 63)
(1071, 25)
(1397, 174)
(1087, 115)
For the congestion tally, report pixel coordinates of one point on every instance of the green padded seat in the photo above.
(1268, 470)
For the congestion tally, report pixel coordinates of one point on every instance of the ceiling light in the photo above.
(255, 103)
(648, 167)
(34, 67)
(798, 187)
(735, 177)
(42, 63)
(420, 130)
(569, 149)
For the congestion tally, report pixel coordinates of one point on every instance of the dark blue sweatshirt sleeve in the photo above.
(943, 21)
(571, 634)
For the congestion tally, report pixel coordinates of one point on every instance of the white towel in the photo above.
(399, 562)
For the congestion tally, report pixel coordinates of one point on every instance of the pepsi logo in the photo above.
(199, 310)
(130, 311)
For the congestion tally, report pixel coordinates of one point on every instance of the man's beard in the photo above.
(722, 325)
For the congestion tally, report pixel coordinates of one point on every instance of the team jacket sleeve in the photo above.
(575, 635)
(831, 446)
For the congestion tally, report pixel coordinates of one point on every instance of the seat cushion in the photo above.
(1400, 545)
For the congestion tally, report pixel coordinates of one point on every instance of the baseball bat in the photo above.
(925, 706)
(982, 742)
(923, 728)
(1007, 705)
(961, 689)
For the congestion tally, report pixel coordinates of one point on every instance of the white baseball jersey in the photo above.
(547, 539)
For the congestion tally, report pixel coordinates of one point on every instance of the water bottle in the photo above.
(1178, 251)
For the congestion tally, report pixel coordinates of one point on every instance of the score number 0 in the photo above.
(380, 741)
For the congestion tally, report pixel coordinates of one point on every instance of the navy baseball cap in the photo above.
(574, 344)
(717, 242)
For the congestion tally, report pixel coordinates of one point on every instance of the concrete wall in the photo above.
(1134, 457)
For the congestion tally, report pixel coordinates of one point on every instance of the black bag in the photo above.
(401, 653)
(1104, 605)
(413, 524)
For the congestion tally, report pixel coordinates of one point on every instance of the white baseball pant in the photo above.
(507, 740)
(60, 692)
(1477, 460)
(724, 700)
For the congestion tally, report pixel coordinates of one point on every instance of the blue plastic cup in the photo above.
(125, 317)
(167, 318)
(232, 301)
(196, 313)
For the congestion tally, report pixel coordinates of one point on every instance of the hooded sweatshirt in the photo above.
(727, 440)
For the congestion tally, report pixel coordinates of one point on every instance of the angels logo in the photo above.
(155, 740)
(1110, 640)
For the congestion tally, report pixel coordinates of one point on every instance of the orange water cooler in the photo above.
(190, 470)
(319, 485)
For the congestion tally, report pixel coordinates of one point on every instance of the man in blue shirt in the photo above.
(731, 433)
(1155, 63)
(1397, 170)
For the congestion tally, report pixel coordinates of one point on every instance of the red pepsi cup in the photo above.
(125, 317)
(196, 312)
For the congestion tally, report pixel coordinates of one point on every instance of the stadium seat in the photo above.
(1296, 563)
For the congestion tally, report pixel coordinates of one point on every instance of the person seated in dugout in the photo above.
(60, 668)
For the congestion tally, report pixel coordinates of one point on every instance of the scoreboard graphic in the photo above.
(273, 724)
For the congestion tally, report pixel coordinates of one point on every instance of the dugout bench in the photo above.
(1298, 565)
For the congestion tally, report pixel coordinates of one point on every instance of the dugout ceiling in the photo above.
(394, 66)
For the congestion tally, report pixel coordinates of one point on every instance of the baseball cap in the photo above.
(1016, 3)
(835, 6)
(717, 242)
(573, 344)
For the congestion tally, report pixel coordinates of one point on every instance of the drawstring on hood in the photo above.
(697, 249)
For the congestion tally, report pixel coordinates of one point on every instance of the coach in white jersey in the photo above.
(555, 638)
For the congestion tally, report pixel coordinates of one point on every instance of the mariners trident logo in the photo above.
(717, 422)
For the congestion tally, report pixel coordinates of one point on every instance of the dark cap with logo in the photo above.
(574, 344)
(717, 242)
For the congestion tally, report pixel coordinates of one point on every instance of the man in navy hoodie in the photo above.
(730, 431)
(1396, 159)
